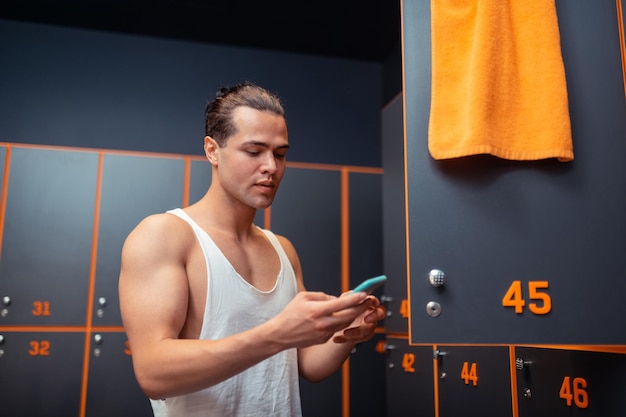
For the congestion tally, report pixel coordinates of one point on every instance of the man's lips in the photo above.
(268, 184)
(266, 187)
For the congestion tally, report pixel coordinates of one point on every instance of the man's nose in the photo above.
(269, 162)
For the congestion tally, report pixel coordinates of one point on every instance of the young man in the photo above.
(215, 308)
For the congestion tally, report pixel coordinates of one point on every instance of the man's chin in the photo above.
(263, 204)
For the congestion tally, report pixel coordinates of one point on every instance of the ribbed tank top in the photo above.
(269, 388)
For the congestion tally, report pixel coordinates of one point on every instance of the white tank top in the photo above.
(269, 388)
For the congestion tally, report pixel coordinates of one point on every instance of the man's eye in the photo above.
(280, 155)
(253, 153)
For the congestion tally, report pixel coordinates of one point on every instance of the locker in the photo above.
(527, 247)
(133, 187)
(410, 382)
(41, 373)
(474, 380)
(367, 363)
(394, 230)
(559, 383)
(200, 179)
(365, 223)
(48, 235)
(113, 389)
(307, 210)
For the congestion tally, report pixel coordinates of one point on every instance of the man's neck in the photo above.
(225, 217)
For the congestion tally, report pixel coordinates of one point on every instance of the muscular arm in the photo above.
(153, 290)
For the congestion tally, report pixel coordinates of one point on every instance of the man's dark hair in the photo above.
(219, 122)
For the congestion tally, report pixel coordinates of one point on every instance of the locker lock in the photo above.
(97, 338)
(438, 354)
(436, 277)
(6, 301)
(1, 339)
(102, 302)
(385, 300)
(389, 348)
(433, 309)
(520, 364)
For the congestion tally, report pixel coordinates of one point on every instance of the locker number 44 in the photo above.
(539, 300)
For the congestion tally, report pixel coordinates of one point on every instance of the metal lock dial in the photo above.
(436, 277)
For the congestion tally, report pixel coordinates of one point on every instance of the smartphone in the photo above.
(370, 285)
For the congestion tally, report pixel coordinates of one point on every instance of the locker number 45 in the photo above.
(539, 300)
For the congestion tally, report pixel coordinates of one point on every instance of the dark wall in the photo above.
(84, 88)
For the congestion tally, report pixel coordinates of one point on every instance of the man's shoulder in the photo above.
(160, 222)
(166, 228)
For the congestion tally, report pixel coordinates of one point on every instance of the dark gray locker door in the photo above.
(112, 388)
(307, 210)
(394, 219)
(470, 377)
(365, 217)
(41, 374)
(367, 366)
(560, 383)
(133, 187)
(367, 378)
(200, 179)
(487, 223)
(48, 234)
(410, 380)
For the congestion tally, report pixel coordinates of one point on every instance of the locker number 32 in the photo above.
(39, 348)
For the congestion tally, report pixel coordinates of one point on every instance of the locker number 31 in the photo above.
(41, 308)
(539, 300)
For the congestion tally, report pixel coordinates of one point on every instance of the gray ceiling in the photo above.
(364, 30)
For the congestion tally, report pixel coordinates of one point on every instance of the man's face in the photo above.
(252, 164)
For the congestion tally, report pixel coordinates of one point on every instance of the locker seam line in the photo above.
(90, 294)
(345, 277)
(5, 186)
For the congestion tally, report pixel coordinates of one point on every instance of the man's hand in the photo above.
(363, 327)
(314, 317)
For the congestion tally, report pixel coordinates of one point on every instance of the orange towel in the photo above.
(498, 81)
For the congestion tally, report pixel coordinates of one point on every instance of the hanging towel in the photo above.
(498, 81)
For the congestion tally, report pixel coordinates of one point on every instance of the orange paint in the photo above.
(92, 285)
(622, 40)
(3, 198)
(513, 374)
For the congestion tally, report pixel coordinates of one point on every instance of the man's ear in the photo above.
(210, 149)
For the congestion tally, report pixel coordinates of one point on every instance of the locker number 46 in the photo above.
(539, 300)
